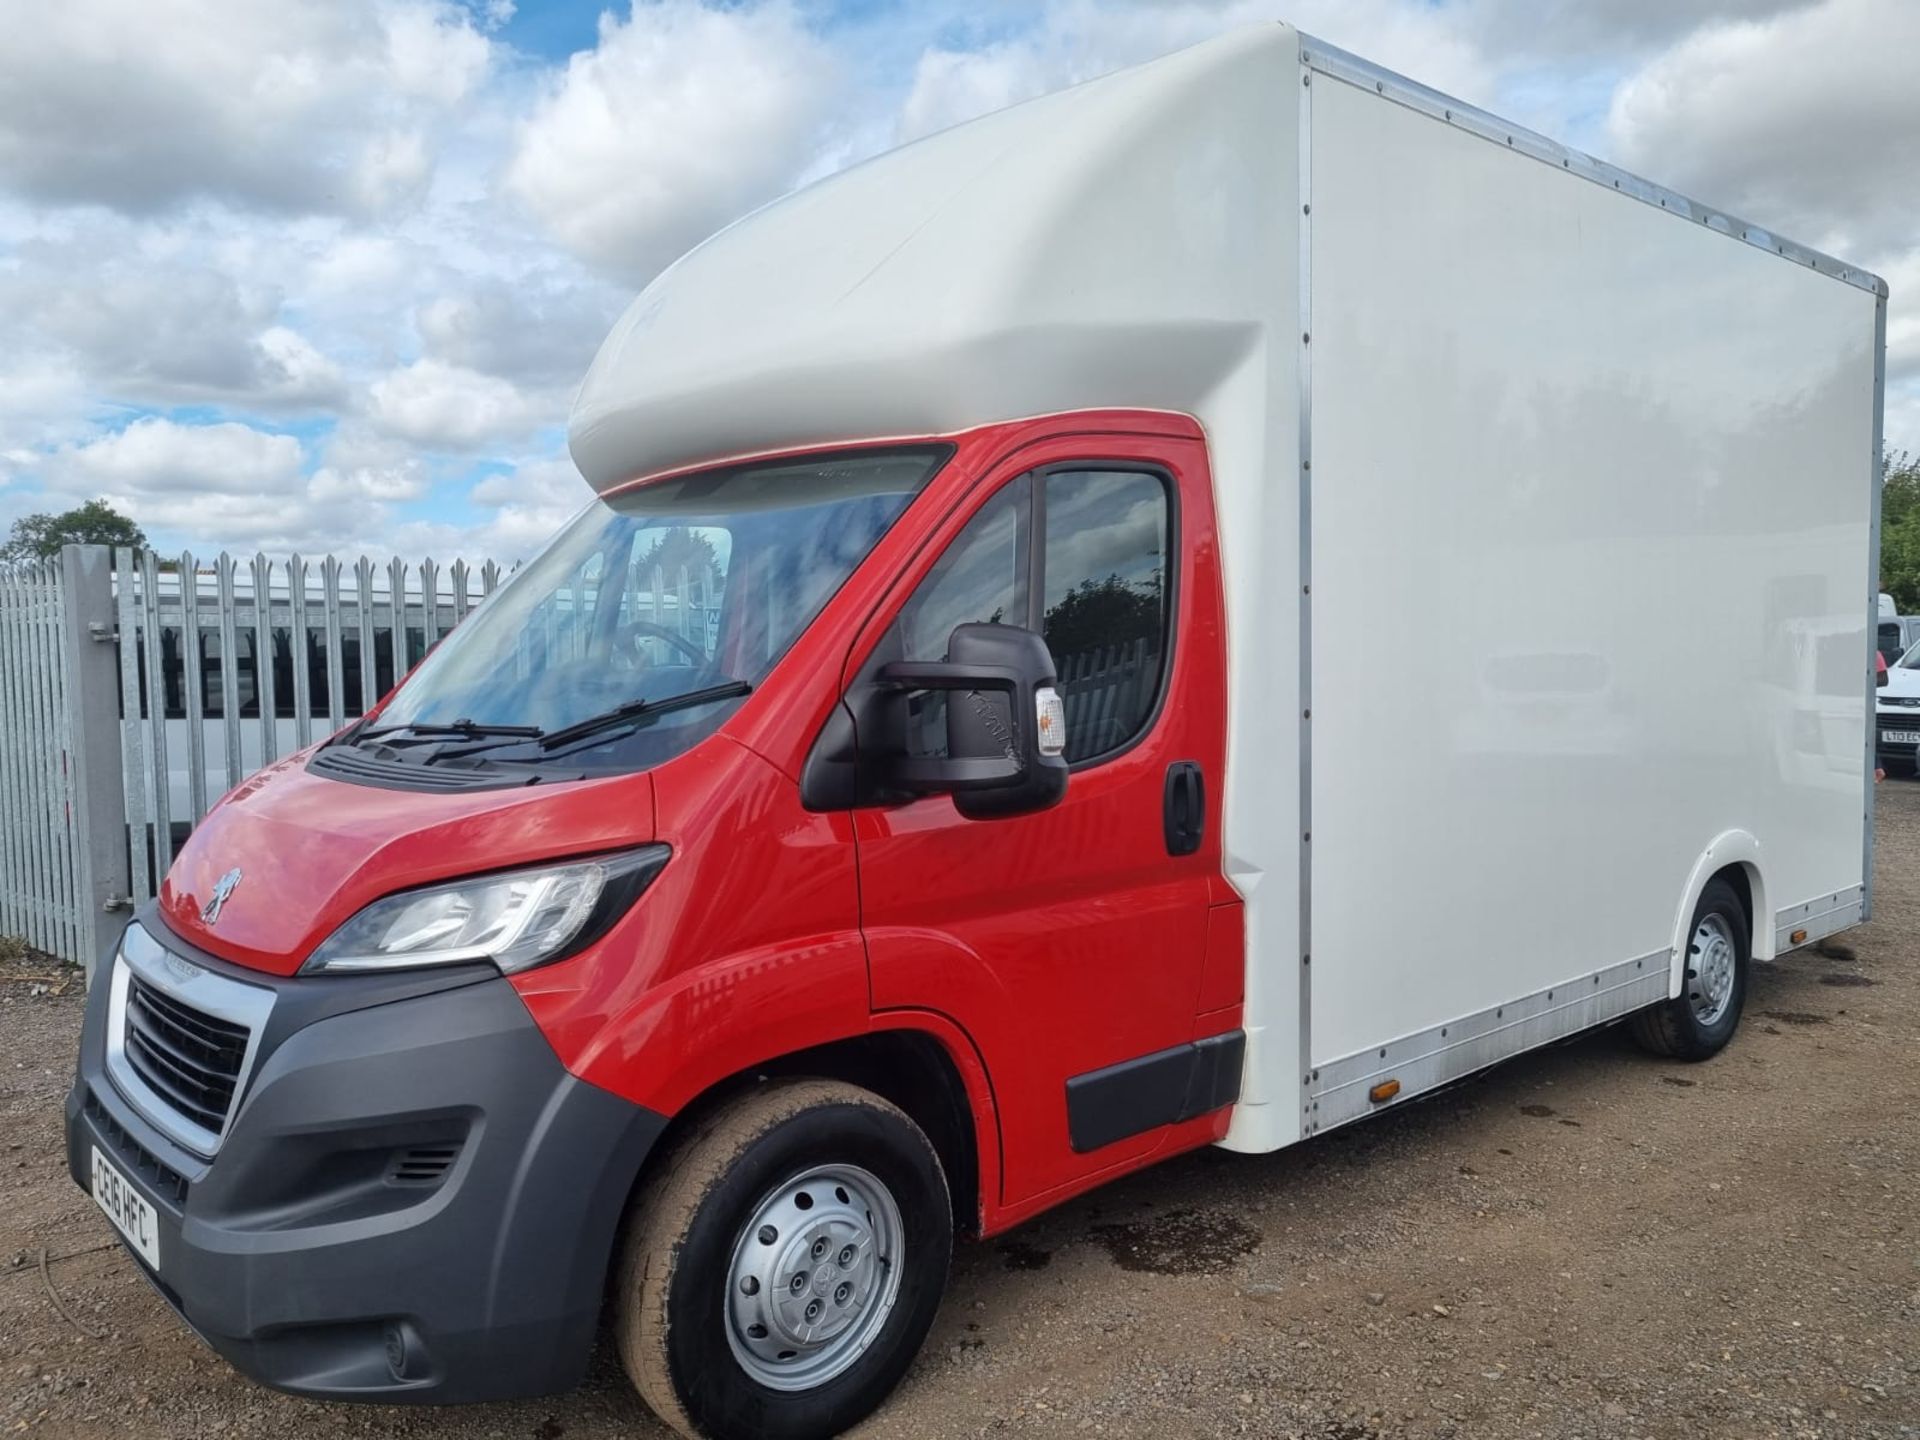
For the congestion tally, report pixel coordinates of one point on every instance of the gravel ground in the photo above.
(1585, 1242)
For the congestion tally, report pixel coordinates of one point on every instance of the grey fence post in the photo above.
(93, 729)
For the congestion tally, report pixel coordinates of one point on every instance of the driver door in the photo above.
(1069, 942)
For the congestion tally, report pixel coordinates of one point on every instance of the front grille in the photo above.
(188, 1058)
(1910, 702)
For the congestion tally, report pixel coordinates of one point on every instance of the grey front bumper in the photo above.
(415, 1201)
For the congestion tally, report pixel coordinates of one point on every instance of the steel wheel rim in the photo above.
(1711, 960)
(815, 1273)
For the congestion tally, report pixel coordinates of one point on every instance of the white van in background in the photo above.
(1909, 636)
(1890, 636)
(1897, 713)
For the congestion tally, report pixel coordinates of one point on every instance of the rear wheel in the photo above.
(781, 1272)
(1702, 1018)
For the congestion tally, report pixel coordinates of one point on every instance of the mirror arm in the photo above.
(937, 675)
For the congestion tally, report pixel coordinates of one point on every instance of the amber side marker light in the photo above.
(1384, 1091)
(1798, 937)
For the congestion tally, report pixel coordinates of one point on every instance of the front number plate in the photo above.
(127, 1208)
(1900, 737)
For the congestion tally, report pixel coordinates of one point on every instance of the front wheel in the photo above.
(1702, 1018)
(780, 1274)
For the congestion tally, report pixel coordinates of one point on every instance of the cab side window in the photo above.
(1104, 601)
(1079, 555)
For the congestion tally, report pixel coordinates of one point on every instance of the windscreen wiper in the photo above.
(465, 729)
(640, 709)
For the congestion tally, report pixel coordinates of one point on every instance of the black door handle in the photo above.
(1185, 815)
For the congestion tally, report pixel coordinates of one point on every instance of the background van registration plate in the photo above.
(1900, 737)
(127, 1208)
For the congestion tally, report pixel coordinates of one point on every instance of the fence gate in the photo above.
(46, 887)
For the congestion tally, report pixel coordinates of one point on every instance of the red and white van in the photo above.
(951, 761)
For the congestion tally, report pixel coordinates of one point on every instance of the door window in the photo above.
(1104, 612)
(1081, 557)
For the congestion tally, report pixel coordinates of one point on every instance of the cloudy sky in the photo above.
(322, 274)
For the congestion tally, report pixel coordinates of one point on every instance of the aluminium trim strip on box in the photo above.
(200, 989)
(1303, 1058)
(1877, 483)
(1365, 75)
(1820, 917)
(1427, 1059)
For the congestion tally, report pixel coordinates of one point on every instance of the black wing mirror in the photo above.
(1006, 725)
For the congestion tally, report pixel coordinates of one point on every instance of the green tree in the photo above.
(1900, 532)
(1096, 614)
(39, 537)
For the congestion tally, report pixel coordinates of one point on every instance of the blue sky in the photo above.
(322, 274)
(553, 32)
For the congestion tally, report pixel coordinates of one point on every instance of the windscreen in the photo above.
(648, 601)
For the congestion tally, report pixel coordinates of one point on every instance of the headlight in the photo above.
(517, 919)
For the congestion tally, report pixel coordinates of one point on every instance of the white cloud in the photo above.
(682, 118)
(1582, 29)
(1789, 121)
(520, 510)
(292, 370)
(359, 467)
(393, 168)
(43, 400)
(278, 103)
(356, 264)
(528, 504)
(541, 331)
(449, 407)
(433, 51)
(221, 484)
(157, 457)
(227, 484)
(158, 327)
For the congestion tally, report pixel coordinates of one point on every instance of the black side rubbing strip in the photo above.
(1163, 1088)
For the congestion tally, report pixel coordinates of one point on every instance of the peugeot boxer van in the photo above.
(947, 763)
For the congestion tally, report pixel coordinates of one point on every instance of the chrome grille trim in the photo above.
(177, 983)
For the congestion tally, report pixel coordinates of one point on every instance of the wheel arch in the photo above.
(1736, 856)
(922, 1064)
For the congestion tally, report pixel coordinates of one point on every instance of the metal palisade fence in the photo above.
(138, 689)
(40, 859)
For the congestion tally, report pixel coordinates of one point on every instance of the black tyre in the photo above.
(782, 1270)
(1700, 1021)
